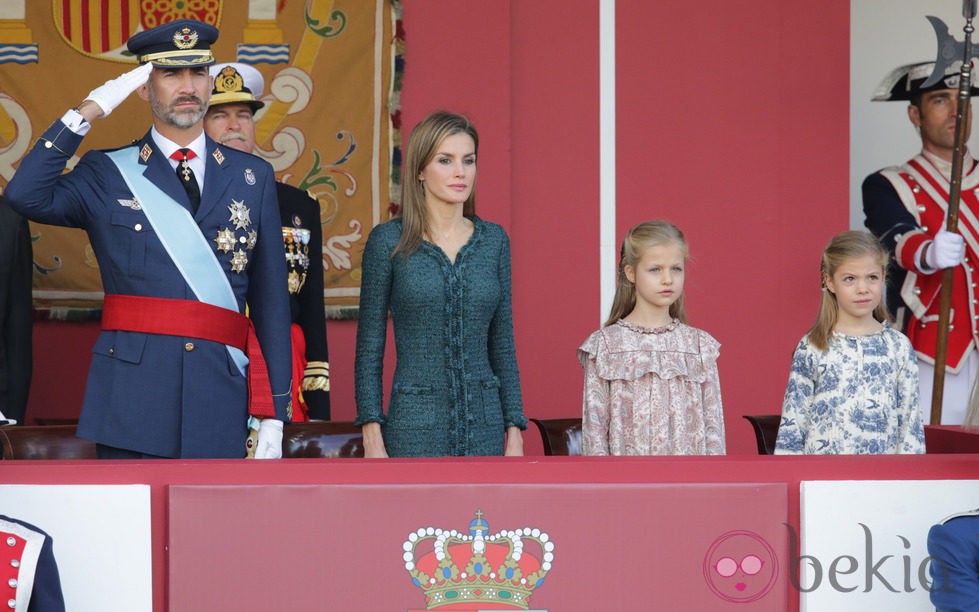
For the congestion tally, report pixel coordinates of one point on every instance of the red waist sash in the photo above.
(192, 319)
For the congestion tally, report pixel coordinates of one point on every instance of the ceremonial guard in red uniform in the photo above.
(905, 207)
(186, 232)
(29, 580)
(230, 120)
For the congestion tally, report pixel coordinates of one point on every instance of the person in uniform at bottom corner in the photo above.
(186, 231)
(953, 546)
(29, 578)
(230, 120)
(905, 208)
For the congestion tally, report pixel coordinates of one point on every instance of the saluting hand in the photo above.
(110, 94)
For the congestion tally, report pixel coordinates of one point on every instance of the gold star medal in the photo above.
(239, 261)
(225, 240)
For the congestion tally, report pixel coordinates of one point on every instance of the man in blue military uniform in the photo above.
(230, 120)
(953, 545)
(186, 232)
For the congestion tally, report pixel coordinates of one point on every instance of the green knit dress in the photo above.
(456, 386)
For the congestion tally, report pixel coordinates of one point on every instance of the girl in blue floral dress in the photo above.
(853, 387)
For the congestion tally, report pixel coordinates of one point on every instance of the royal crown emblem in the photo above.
(459, 571)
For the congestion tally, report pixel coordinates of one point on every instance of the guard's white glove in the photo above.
(269, 444)
(111, 93)
(946, 250)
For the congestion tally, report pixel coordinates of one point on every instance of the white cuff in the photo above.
(75, 122)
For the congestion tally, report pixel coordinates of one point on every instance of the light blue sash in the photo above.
(182, 239)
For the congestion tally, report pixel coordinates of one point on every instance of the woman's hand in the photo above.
(373, 441)
(514, 442)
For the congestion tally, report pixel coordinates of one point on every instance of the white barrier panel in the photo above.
(101, 539)
(864, 543)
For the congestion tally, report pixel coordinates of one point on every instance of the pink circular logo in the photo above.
(740, 567)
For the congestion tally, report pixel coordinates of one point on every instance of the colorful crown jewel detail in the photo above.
(462, 570)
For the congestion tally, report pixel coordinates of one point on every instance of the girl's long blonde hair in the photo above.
(844, 246)
(422, 146)
(640, 238)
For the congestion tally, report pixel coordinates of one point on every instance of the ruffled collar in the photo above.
(672, 325)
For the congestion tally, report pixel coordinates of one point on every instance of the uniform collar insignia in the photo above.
(145, 152)
(218, 156)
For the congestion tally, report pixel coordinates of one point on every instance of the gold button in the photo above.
(189, 347)
(112, 351)
(139, 227)
(48, 144)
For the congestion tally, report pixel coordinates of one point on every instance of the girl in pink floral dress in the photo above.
(651, 382)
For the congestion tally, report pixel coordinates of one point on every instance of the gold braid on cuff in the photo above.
(316, 377)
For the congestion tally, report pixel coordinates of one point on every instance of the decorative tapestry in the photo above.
(329, 126)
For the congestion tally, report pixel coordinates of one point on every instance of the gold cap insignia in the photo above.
(228, 80)
(185, 38)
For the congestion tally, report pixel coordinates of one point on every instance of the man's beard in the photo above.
(179, 119)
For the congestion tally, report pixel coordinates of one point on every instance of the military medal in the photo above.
(239, 214)
(133, 204)
(252, 239)
(239, 261)
(297, 256)
(225, 240)
(249, 176)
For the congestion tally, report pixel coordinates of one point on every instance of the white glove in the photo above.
(946, 250)
(111, 93)
(269, 440)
